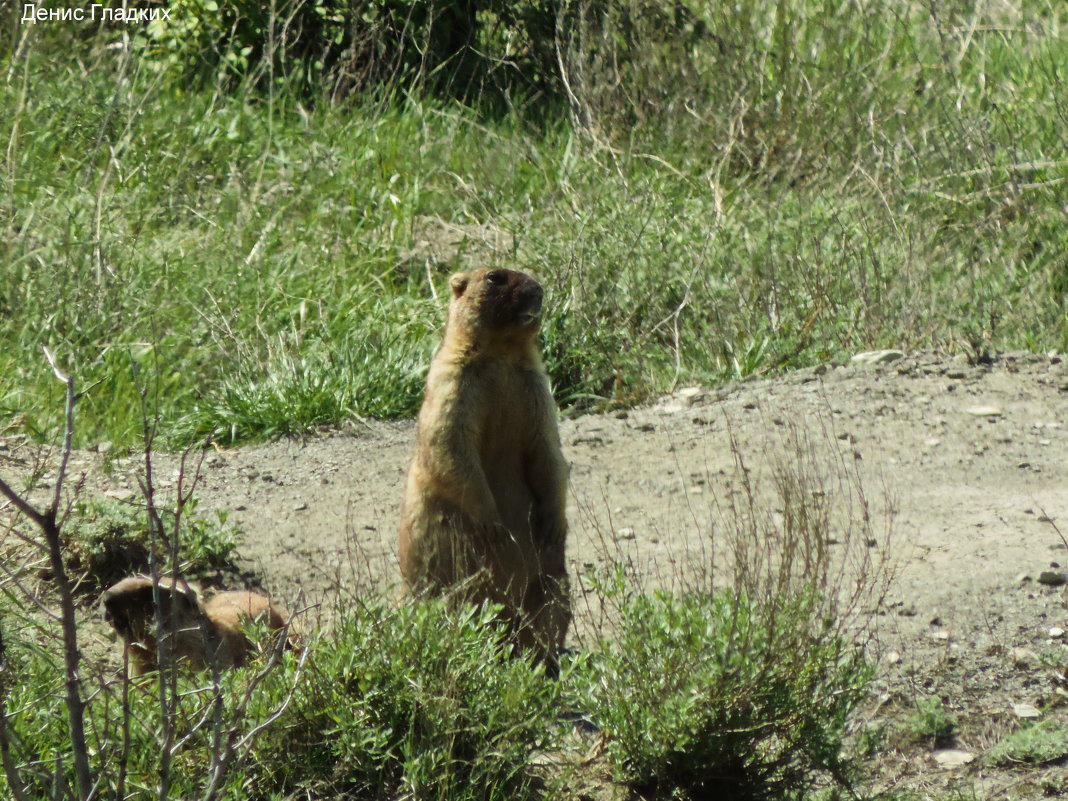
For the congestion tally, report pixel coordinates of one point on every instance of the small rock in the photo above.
(952, 758)
(877, 357)
(592, 440)
(103, 447)
(300, 507)
(941, 636)
(1023, 465)
(1052, 578)
(1056, 632)
(626, 534)
(932, 442)
(956, 374)
(120, 494)
(1022, 657)
(1022, 578)
(893, 658)
(984, 411)
(1025, 711)
(691, 395)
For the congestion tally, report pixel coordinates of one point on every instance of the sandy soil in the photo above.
(971, 460)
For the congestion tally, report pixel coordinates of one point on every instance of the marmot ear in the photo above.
(458, 283)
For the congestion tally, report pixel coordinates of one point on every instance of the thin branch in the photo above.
(68, 437)
(47, 522)
(14, 781)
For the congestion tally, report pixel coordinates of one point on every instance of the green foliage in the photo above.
(717, 695)
(1037, 743)
(106, 540)
(458, 49)
(725, 189)
(414, 701)
(931, 721)
(418, 701)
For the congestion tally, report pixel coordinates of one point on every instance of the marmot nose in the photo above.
(532, 296)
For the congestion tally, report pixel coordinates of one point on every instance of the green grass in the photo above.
(821, 181)
(931, 722)
(1036, 743)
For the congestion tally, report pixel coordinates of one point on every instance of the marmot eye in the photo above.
(497, 278)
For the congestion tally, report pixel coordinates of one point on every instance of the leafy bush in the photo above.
(1037, 743)
(456, 48)
(706, 695)
(416, 701)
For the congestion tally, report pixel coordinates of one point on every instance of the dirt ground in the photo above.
(971, 461)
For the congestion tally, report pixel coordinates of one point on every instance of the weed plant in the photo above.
(1036, 743)
(740, 189)
(741, 685)
(716, 696)
(931, 722)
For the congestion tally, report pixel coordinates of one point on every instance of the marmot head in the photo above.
(129, 609)
(496, 299)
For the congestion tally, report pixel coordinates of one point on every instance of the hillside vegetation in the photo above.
(248, 220)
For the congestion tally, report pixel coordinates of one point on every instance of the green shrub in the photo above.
(416, 701)
(717, 696)
(931, 721)
(1037, 743)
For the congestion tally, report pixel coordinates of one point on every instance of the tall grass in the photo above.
(783, 183)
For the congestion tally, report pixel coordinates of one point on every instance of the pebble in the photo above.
(1025, 711)
(984, 411)
(1022, 657)
(952, 758)
(1056, 632)
(1052, 578)
(877, 357)
(691, 395)
(626, 534)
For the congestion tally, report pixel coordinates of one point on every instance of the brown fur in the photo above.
(195, 634)
(484, 507)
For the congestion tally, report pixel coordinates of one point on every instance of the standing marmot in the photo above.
(197, 635)
(484, 508)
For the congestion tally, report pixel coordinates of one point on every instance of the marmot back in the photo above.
(484, 506)
(195, 634)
